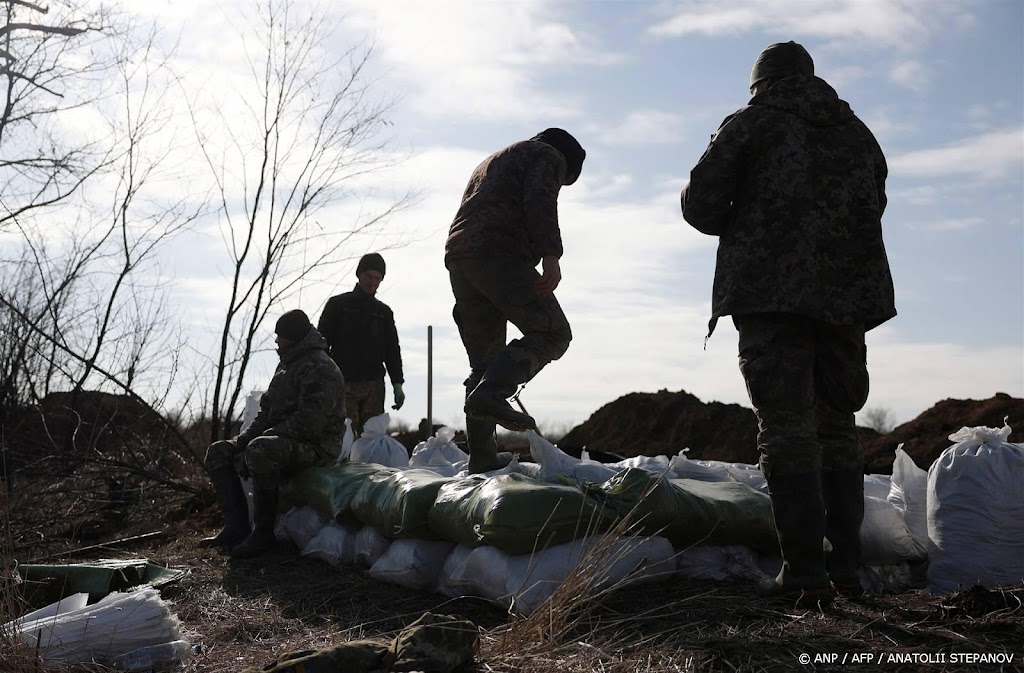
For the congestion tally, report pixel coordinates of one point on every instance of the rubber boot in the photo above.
(483, 447)
(799, 513)
(489, 400)
(261, 539)
(844, 508)
(234, 508)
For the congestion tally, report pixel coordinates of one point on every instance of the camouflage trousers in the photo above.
(268, 457)
(363, 400)
(806, 379)
(489, 294)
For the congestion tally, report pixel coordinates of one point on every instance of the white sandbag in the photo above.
(334, 544)
(439, 450)
(454, 580)
(555, 463)
(413, 563)
(252, 408)
(347, 440)
(656, 464)
(884, 536)
(877, 486)
(300, 525)
(908, 492)
(522, 582)
(750, 475)
(976, 512)
(118, 624)
(718, 562)
(370, 545)
(701, 470)
(374, 445)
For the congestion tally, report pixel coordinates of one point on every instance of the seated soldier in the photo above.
(300, 424)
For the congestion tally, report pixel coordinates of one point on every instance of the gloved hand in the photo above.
(399, 396)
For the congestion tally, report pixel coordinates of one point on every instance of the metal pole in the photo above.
(430, 381)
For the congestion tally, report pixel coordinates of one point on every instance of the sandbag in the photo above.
(512, 512)
(976, 512)
(300, 525)
(334, 544)
(397, 503)
(374, 445)
(908, 492)
(330, 490)
(370, 545)
(884, 536)
(440, 454)
(556, 466)
(718, 562)
(688, 512)
(415, 564)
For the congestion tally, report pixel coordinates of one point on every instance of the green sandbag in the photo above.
(398, 504)
(514, 513)
(687, 511)
(330, 490)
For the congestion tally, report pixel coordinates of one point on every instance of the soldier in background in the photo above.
(360, 330)
(506, 225)
(793, 185)
(300, 424)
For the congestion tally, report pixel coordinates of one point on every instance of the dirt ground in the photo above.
(244, 613)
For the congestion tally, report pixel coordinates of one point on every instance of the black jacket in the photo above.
(360, 330)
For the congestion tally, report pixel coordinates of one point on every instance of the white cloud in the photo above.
(988, 155)
(893, 23)
(911, 74)
(949, 224)
(644, 127)
(478, 59)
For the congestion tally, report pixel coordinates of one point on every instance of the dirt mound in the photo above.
(664, 423)
(927, 436)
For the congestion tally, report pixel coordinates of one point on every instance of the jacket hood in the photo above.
(808, 97)
(311, 342)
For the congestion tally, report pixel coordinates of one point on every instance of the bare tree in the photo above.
(307, 131)
(879, 419)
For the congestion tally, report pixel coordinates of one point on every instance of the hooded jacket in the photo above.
(363, 339)
(793, 185)
(305, 400)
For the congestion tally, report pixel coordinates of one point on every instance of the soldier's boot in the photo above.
(844, 507)
(264, 495)
(799, 513)
(483, 447)
(234, 508)
(489, 400)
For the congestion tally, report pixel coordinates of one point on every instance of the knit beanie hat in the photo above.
(293, 325)
(370, 261)
(782, 59)
(570, 148)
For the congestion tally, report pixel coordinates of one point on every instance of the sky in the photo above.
(642, 85)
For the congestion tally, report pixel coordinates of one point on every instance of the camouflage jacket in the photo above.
(793, 185)
(305, 400)
(360, 330)
(510, 206)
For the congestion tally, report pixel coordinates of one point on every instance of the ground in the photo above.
(244, 613)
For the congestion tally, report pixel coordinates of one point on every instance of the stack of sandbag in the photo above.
(976, 512)
(132, 631)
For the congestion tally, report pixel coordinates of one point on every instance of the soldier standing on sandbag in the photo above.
(506, 225)
(360, 330)
(300, 424)
(793, 185)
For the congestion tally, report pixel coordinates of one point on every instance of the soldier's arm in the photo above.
(393, 352)
(707, 200)
(318, 395)
(259, 425)
(541, 184)
(330, 323)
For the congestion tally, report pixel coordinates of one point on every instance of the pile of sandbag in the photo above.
(514, 535)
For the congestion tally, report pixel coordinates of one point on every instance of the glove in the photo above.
(399, 396)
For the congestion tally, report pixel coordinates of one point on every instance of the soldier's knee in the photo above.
(262, 455)
(219, 455)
